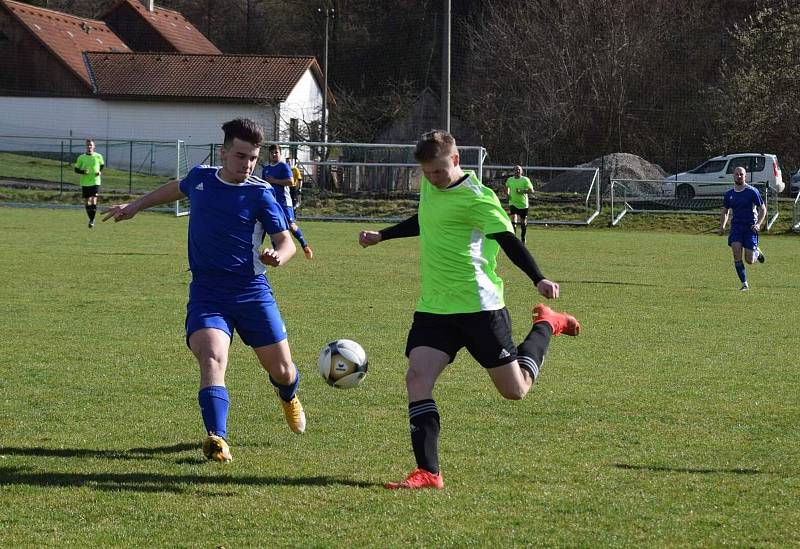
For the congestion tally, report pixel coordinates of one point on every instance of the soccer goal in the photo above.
(647, 196)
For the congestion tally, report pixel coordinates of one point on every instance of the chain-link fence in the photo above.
(43, 162)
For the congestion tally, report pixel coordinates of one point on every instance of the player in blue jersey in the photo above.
(279, 174)
(749, 213)
(232, 212)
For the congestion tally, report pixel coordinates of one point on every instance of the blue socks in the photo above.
(214, 405)
(739, 265)
(287, 392)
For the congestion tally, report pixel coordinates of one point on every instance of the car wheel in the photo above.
(685, 192)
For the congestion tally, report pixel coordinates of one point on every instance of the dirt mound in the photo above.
(612, 166)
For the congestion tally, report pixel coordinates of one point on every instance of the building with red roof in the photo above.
(140, 72)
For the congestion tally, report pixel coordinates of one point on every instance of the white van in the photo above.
(715, 176)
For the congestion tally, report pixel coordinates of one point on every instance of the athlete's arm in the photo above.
(518, 254)
(762, 215)
(723, 219)
(406, 228)
(283, 182)
(169, 192)
(282, 252)
(522, 258)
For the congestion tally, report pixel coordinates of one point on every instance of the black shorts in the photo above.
(486, 335)
(522, 212)
(89, 191)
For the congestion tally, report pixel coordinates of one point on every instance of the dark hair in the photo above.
(274, 147)
(434, 144)
(244, 129)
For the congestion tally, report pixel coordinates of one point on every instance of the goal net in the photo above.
(650, 196)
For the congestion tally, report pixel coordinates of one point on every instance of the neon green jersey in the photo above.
(457, 260)
(515, 185)
(91, 163)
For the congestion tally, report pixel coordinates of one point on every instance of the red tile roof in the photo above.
(221, 77)
(173, 27)
(66, 36)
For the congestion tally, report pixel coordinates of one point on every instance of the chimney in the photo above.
(149, 5)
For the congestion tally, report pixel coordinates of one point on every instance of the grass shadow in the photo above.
(692, 470)
(151, 482)
(133, 453)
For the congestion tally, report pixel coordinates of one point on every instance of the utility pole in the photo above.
(445, 98)
(328, 13)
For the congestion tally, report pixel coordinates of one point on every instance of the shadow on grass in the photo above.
(611, 283)
(133, 453)
(129, 253)
(693, 470)
(151, 482)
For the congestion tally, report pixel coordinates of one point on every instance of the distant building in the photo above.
(142, 73)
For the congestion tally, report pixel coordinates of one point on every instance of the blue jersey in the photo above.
(227, 226)
(281, 170)
(743, 204)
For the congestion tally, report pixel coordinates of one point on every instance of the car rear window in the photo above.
(749, 163)
(710, 167)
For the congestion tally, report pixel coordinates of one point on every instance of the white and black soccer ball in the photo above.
(343, 363)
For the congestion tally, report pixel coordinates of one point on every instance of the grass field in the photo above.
(671, 421)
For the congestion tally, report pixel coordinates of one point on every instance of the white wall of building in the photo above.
(54, 121)
(197, 123)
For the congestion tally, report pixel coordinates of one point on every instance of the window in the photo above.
(749, 163)
(711, 166)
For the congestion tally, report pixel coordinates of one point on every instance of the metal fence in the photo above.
(132, 166)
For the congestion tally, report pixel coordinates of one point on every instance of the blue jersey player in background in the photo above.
(232, 212)
(749, 213)
(279, 174)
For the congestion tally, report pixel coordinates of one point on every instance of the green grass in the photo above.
(671, 421)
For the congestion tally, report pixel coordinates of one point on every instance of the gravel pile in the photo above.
(615, 165)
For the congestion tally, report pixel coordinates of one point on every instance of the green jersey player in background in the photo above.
(90, 165)
(518, 188)
(462, 226)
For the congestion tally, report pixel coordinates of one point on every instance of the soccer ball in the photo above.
(343, 363)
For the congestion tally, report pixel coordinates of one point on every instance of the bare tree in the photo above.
(758, 92)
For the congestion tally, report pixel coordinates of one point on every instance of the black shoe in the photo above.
(91, 224)
(761, 258)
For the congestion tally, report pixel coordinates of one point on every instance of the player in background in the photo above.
(519, 188)
(278, 174)
(90, 165)
(749, 213)
(462, 226)
(296, 190)
(232, 212)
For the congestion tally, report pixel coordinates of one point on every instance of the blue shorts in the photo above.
(258, 323)
(745, 235)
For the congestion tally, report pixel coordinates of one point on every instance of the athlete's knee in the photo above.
(518, 392)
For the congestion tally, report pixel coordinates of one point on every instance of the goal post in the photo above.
(181, 169)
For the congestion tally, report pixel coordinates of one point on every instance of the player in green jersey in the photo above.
(90, 165)
(519, 188)
(462, 226)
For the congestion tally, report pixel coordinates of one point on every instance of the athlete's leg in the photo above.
(511, 381)
(210, 348)
(276, 359)
(425, 365)
(738, 264)
(523, 224)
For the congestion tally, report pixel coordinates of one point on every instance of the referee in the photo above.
(90, 165)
